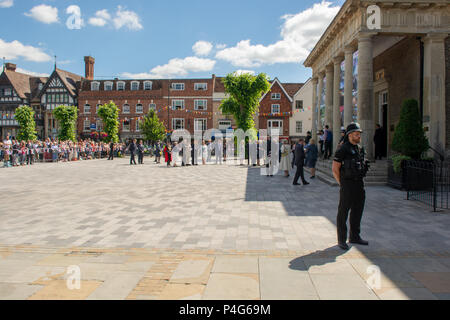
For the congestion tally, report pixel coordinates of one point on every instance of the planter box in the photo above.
(396, 180)
(419, 176)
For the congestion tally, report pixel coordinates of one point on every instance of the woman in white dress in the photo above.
(204, 152)
(285, 158)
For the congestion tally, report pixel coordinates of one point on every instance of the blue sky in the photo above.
(162, 39)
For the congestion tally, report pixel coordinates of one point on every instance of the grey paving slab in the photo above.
(117, 287)
(285, 279)
(233, 264)
(13, 291)
(342, 287)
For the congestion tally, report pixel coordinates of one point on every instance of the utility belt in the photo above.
(353, 169)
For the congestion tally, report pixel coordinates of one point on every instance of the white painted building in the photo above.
(301, 119)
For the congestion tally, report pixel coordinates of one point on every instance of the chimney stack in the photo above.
(10, 67)
(89, 67)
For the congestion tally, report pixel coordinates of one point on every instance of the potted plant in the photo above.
(409, 142)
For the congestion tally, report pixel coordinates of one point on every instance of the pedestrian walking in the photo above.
(300, 162)
(132, 149)
(140, 150)
(312, 154)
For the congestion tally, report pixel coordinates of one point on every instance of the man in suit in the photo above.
(140, 149)
(299, 162)
(111, 151)
(132, 148)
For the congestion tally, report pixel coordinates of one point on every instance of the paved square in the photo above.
(147, 232)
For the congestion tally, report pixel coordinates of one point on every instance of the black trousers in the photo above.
(328, 151)
(300, 173)
(132, 159)
(30, 159)
(140, 158)
(111, 155)
(352, 198)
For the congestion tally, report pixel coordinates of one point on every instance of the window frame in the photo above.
(296, 105)
(173, 86)
(106, 84)
(123, 109)
(118, 83)
(177, 119)
(272, 109)
(277, 95)
(142, 106)
(84, 126)
(296, 126)
(145, 85)
(196, 106)
(95, 86)
(204, 121)
(152, 108)
(173, 107)
(196, 86)
(84, 108)
(129, 126)
(134, 83)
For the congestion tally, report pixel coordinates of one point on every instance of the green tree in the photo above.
(245, 91)
(109, 113)
(152, 128)
(409, 136)
(25, 117)
(67, 120)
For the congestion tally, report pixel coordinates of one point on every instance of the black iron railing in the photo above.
(429, 183)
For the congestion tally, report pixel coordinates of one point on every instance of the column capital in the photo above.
(329, 68)
(338, 59)
(315, 80)
(349, 49)
(365, 36)
(321, 74)
(435, 37)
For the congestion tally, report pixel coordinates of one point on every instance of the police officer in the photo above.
(349, 169)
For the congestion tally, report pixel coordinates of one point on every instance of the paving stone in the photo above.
(193, 271)
(58, 290)
(405, 294)
(16, 291)
(226, 286)
(235, 264)
(179, 291)
(436, 282)
(285, 279)
(116, 287)
(342, 287)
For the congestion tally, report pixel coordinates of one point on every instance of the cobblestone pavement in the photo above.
(211, 232)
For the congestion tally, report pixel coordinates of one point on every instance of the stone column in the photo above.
(365, 92)
(315, 81)
(319, 95)
(329, 95)
(348, 86)
(434, 90)
(336, 101)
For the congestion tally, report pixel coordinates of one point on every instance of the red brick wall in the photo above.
(157, 96)
(266, 107)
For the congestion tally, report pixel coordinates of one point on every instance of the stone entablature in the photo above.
(397, 17)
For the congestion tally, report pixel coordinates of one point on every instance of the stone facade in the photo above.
(447, 89)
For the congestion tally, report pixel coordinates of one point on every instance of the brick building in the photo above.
(180, 104)
(275, 108)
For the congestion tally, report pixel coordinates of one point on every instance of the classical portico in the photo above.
(374, 55)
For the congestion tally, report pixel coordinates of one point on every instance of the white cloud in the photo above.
(220, 46)
(74, 21)
(202, 48)
(15, 49)
(240, 72)
(44, 13)
(175, 68)
(102, 17)
(32, 73)
(6, 3)
(299, 34)
(128, 19)
(122, 19)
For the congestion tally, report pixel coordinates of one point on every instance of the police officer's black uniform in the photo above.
(352, 193)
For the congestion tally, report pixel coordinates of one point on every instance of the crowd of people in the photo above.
(15, 153)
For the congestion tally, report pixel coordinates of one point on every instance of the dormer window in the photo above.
(40, 86)
(147, 85)
(135, 86)
(95, 86)
(120, 86)
(108, 86)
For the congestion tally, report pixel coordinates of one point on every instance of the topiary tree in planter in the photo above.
(409, 136)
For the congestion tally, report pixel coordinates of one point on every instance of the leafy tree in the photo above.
(25, 117)
(245, 91)
(152, 128)
(67, 119)
(109, 113)
(409, 136)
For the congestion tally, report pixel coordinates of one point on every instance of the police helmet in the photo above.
(353, 127)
